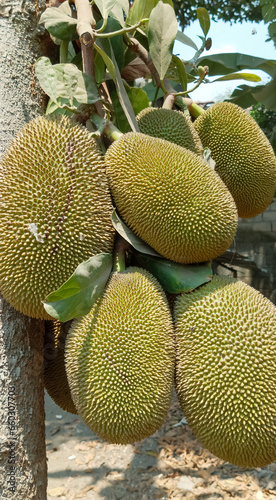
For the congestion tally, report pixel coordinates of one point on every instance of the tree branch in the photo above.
(170, 96)
(85, 25)
(136, 47)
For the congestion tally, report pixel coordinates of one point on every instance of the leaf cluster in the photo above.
(266, 120)
(269, 16)
(233, 11)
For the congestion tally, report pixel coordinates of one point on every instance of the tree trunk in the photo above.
(23, 472)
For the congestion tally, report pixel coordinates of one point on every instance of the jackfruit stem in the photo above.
(120, 253)
(119, 263)
(169, 101)
(121, 246)
(111, 132)
(195, 110)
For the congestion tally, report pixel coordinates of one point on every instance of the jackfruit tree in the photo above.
(23, 468)
(118, 196)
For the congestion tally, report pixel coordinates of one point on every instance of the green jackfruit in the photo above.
(120, 359)
(55, 210)
(171, 125)
(226, 370)
(55, 378)
(170, 198)
(244, 157)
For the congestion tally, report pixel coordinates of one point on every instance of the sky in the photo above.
(247, 38)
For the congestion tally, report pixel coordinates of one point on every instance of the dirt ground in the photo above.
(171, 464)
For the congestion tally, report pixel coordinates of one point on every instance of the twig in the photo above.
(85, 25)
(122, 31)
(85, 28)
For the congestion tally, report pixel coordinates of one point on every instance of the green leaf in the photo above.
(66, 81)
(60, 23)
(162, 31)
(267, 95)
(104, 47)
(243, 95)
(272, 31)
(123, 97)
(61, 107)
(129, 236)
(138, 98)
(173, 74)
(100, 68)
(181, 37)
(78, 294)
(120, 117)
(181, 71)
(268, 10)
(114, 8)
(152, 91)
(118, 11)
(239, 76)
(246, 96)
(174, 277)
(117, 42)
(77, 60)
(222, 64)
(204, 19)
(141, 9)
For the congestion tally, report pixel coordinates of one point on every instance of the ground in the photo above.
(171, 464)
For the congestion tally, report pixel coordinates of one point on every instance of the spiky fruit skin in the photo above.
(244, 157)
(55, 378)
(170, 198)
(226, 370)
(55, 210)
(170, 125)
(120, 359)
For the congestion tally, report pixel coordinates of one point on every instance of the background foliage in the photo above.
(267, 121)
(233, 11)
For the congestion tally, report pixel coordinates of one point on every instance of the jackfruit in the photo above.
(55, 210)
(244, 157)
(170, 198)
(226, 370)
(171, 125)
(55, 378)
(120, 359)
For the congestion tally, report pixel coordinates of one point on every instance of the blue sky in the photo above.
(227, 38)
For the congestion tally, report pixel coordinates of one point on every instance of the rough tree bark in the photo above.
(23, 472)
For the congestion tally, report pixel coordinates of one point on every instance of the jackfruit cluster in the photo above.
(55, 210)
(120, 359)
(55, 378)
(226, 370)
(117, 369)
(244, 157)
(171, 125)
(170, 198)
